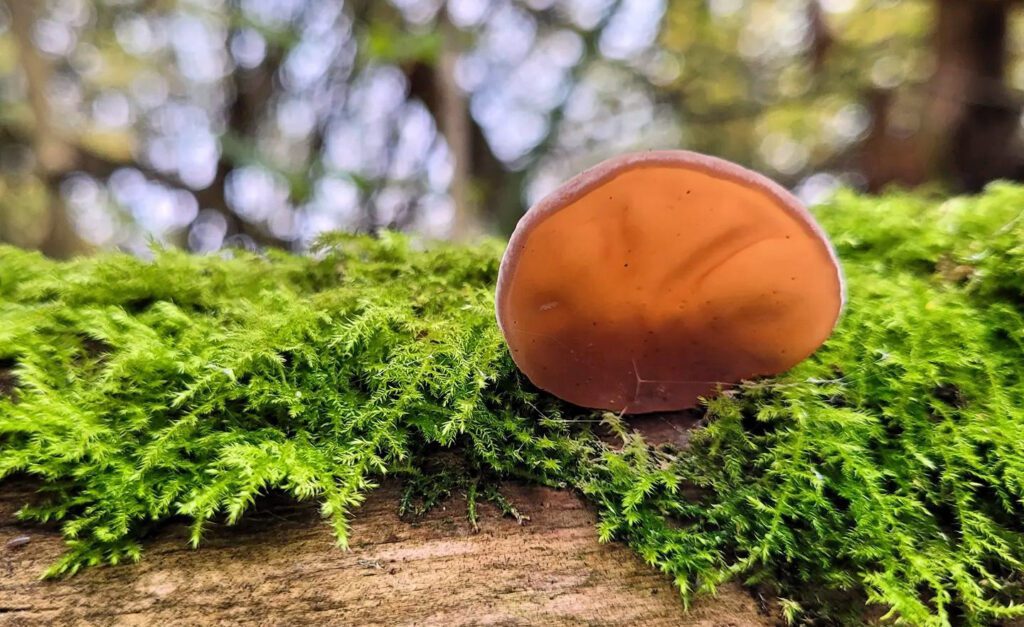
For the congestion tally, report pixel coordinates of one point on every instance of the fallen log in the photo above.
(280, 566)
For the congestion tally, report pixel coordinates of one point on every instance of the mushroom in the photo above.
(656, 278)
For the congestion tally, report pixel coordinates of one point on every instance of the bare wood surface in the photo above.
(280, 567)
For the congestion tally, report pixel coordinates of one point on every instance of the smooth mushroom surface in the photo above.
(656, 278)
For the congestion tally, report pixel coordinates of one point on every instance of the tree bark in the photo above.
(280, 567)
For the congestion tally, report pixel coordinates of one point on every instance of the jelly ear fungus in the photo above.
(656, 278)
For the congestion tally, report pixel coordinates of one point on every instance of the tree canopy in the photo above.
(265, 122)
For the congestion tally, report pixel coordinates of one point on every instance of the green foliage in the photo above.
(888, 467)
(436, 478)
(791, 110)
(386, 42)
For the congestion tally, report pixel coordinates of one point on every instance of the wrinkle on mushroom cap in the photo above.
(655, 278)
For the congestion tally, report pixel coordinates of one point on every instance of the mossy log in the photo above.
(886, 470)
(279, 566)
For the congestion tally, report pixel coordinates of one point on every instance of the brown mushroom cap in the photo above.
(654, 278)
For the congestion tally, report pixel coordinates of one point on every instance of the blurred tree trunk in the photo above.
(972, 38)
(970, 120)
(454, 120)
(251, 90)
(54, 157)
(489, 193)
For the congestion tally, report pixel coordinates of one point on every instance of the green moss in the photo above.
(888, 467)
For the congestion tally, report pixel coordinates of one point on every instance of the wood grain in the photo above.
(280, 567)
